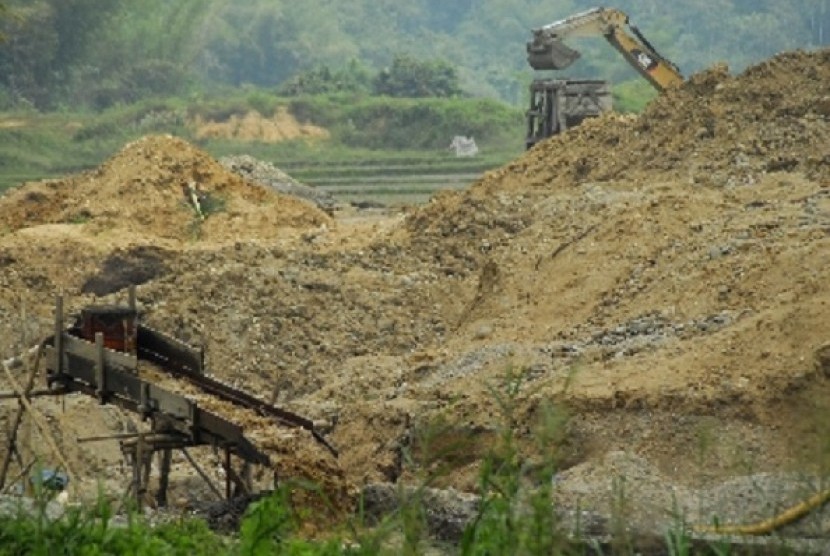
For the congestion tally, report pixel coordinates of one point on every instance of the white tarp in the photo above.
(464, 146)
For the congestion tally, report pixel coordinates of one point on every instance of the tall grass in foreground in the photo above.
(91, 531)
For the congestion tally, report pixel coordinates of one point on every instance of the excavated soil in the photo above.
(663, 280)
(253, 126)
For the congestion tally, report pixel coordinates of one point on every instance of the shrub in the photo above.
(262, 102)
(411, 78)
(354, 78)
(92, 531)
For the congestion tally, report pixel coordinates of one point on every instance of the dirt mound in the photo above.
(151, 189)
(282, 126)
(714, 130)
(675, 259)
(664, 278)
(268, 175)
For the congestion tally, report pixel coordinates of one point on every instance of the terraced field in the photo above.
(392, 181)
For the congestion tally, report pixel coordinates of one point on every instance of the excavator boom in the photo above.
(546, 50)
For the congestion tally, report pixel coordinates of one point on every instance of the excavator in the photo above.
(558, 104)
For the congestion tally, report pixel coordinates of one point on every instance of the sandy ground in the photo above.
(661, 280)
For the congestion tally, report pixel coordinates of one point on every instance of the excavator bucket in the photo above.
(551, 54)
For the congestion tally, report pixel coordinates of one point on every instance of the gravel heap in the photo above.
(265, 173)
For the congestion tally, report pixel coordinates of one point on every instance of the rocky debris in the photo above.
(623, 484)
(626, 487)
(447, 512)
(12, 506)
(646, 332)
(715, 130)
(225, 516)
(265, 173)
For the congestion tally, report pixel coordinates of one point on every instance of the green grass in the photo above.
(395, 136)
(90, 531)
(632, 96)
(370, 136)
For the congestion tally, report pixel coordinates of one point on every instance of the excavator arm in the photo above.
(547, 50)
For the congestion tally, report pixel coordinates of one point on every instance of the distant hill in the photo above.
(62, 52)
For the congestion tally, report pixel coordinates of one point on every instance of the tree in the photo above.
(408, 77)
(77, 24)
(353, 78)
(45, 40)
(27, 54)
(3, 12)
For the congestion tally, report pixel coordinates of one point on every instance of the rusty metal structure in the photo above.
(99, 355)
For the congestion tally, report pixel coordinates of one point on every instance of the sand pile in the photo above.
(715, 130)
(146, 190)
(663, 277)
(281, 126)
(649, 271)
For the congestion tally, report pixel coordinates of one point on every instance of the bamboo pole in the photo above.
(38, 419)
(24, 470)
(11, 446)
(17, 361)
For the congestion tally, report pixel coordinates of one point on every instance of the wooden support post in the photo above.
(240, 485)
(11, 445)
(247, 477)
(32, 394)
(100, 371)
(146, 466)
(193, 420)
(144, 402)
(40, 422)
(228, 472)
(137, 460)
(58, 363)
(118, 436)
(133, 328)
(164, 477)
(24, 470)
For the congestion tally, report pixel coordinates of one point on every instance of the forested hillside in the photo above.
(62, 53)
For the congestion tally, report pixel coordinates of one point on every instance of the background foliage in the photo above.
(97, 53)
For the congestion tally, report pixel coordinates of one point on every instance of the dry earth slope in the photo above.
(663, 277)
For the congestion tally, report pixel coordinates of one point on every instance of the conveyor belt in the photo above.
(75, 364)
(160, 349)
